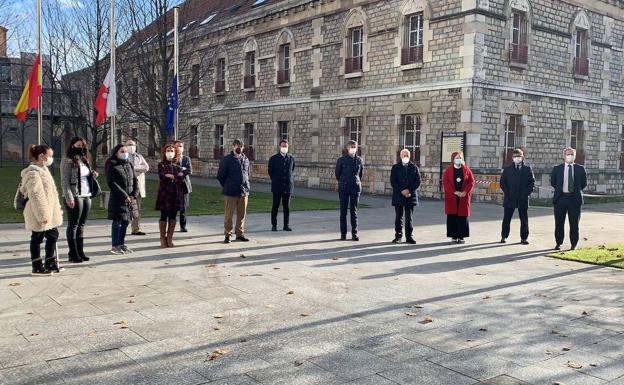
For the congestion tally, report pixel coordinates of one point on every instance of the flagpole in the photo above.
(176, 54)
(112, 66)
(39, 72)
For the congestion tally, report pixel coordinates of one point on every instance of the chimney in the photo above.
(3, 41)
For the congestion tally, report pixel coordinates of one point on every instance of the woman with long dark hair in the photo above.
(77, 183)
(124, 188)
(458, 183)
(42, 213)
(170, 199)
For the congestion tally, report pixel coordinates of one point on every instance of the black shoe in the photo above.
(355, 238)
(573, 247)
(80, 250)
(397, 239)
(227, 239)
(138, 233)
(343, 237)
(74, 259)
(52, 265)
(241, 238)
(287, 228)
(461, 241)
(557, 247)
(524, 242)
(274, 228)
(39, 269)
(183, 230)
(503, 240)
(410, 241)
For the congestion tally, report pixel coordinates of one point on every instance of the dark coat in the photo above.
(517, 186)
(349, 171)
(450, 199)
(123, 183)
(170, 193)
(233, 175)
(187, 164)
(401, 178)
(580, 182)
(281, 172)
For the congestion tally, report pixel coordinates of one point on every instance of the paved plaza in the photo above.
(305, 308)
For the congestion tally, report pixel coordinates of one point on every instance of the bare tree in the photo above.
(145, 65)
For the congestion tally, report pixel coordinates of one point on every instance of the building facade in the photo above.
(541, 75)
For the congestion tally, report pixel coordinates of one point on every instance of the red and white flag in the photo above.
(106, 102)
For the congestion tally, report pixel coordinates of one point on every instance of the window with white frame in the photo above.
(250, 70)
(514, 131)
(220, 76)
(412, 51)
(355, 54)
(250, 142)
(282, 129)
(283, 75)
(410, 135)
(219, 149)
(519, 50)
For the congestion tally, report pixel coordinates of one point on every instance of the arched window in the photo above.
(581, 38)
(221, 72)
(519, 27)
(284, 58)
(250, 65)
(413, 33)
(355, 45)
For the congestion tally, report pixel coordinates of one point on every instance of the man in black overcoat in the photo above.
(405, 180)
(517, 182)
(281, 171)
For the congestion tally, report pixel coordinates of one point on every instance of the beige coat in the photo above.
(43, 199)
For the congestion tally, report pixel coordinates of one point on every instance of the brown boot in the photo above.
(163, 233)
(170, 230)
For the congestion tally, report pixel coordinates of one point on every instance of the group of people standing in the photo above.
(125, 176)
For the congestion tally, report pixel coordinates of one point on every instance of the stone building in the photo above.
(537, 74)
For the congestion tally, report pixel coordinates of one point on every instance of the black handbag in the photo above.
(94, 185)
(20, 199)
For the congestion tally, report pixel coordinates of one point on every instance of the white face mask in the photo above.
(284, 150)
(405, 160)
(517, 160)
(132, 149)
(569, 159)
(49, 161)
(169, 155)
(352, 151)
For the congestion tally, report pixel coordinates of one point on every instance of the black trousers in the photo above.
(37, 237)
(76, 219)
(348, 201)
(524, 222)
(566, 205)
(284, 198)
(399, 211)
(183, 212)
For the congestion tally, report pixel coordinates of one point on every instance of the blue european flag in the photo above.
(172, 106)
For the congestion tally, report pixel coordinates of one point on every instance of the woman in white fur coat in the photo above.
(42, 214)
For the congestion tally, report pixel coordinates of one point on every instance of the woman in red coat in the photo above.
(458, 183)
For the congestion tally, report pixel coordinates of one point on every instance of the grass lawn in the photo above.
(204, 200)
(547, 202)
(612, 256)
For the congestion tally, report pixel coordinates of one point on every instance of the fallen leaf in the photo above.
(566, 349)
(123, 324)
(335, 259)
(244, 275)
(548, 352)
(218, 316)
(269, 306)
(243, 256)
(480, 274)
(131, 301)
(34, 334)
(558, 383)
(256, 275)
(216, 328)
(584, 313)
(13, 284)
(487, 297)
(132, 296)
(298, 363)
(290, 292)
(593, 365)
(416, 306)
(409, 314)
(276, 268)
(30, 313)
(211, 265)
(574, 365)
(469, 340)
(483, 330)
(304, 314)
(427, 319)
(216, 354)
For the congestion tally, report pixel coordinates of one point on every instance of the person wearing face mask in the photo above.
(405, 180)
(140, 168)
(77, 183)
(281, 167)
(568, 179)
(124, 188)
(187, 169)
(517, 182)
(349, 171)
(233, 176)
(458, 183)
(42, 213)
(170, 197)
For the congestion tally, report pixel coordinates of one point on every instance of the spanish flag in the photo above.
(32, 92)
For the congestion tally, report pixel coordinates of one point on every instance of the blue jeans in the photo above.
(348, 202)
(118, 232)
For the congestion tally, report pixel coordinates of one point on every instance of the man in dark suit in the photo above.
(187, 170)
(517, 182)
(349, 170)
(405, 180)
(568, 180)
(281, 167)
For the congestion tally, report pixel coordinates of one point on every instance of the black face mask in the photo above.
(238, 150)
(75, 151)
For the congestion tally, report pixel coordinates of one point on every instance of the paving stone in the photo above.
(539, 375)
(396, 348)
(371, 380)
(295, 373)
(475, 364)
(105, 340)
(351, 364)
(37, 373)
(426, 373)
(503, 380)
(236, 380)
